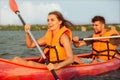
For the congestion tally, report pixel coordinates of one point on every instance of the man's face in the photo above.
(98, 27)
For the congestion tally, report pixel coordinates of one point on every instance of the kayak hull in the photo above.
(13, 71)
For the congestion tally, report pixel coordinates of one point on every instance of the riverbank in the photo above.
(87, 27)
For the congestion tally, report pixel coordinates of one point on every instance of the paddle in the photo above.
(96, 38)
(14, 8)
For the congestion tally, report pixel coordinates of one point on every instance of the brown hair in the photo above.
(98, 18)
(65, 22)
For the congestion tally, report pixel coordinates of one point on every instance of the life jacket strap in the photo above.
(56, 61)
(99, 52)
(54, 47)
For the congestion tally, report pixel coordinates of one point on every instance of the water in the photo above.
(12, 43)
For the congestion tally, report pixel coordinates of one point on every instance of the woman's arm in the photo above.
(29, 41)
(66, 42)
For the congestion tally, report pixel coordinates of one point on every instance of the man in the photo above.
(102, 49)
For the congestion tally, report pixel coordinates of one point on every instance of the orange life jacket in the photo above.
(102, 48)
(56, 50)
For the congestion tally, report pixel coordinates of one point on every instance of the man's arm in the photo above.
(79, 43)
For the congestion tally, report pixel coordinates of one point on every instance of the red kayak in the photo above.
(13, 71)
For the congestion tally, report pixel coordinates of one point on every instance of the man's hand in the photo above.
(76, 39)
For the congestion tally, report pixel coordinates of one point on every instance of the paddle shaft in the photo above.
(23, 22)
(96, 38)
(40, 50)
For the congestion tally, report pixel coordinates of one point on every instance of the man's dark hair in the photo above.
(98, 18)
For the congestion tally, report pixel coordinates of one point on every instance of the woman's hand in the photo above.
(51, 66)
(27, 28)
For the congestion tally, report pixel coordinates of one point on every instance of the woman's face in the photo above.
(53, 22)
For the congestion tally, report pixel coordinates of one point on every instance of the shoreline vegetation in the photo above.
(37, 27)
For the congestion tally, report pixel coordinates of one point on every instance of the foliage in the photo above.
(20, 27)
(44, 27)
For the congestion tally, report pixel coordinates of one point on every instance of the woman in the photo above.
(58, 40)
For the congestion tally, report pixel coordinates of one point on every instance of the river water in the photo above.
(12, 43)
